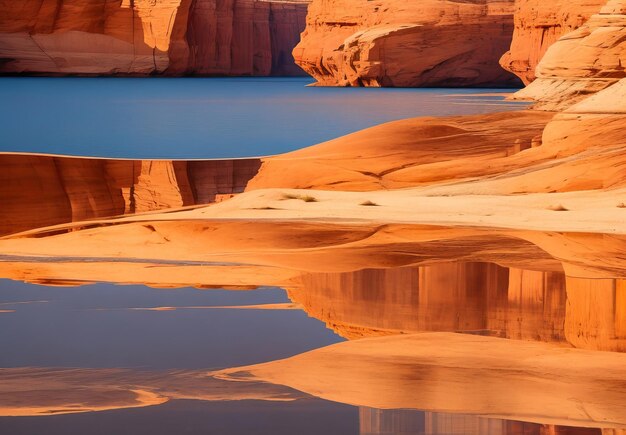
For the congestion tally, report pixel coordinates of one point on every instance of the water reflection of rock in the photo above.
(410, 422)
(481, 298)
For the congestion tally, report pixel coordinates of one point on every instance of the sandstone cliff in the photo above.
(400, 43)
(44, 190)
(139, 37)
(582, 62)
(538, 24)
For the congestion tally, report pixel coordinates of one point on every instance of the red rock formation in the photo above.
(538, 24)
(137, 37)
(582, 62)
(40, 191)
(399, 43)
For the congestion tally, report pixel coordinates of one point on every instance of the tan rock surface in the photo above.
(538, 25)
(582, 62)
(399, 43)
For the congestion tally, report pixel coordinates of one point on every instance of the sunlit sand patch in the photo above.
(50, 391)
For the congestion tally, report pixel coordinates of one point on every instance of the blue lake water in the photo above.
(92, 326)
(206, 117)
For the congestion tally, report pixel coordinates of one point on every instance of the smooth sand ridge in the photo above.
(458, 373)
(263, 228)
(46, 391)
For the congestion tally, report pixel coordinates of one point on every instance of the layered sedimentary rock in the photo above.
(40, 190)
(399, 43)
(539, 24)
(582, 62)
(138, 37)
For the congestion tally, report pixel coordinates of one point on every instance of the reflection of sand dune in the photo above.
(42, 391)
(458, 373)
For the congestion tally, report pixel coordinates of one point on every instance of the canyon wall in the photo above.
(39, 191)
(140, 37)
(538, 25)
(582, 62)
(399, 43)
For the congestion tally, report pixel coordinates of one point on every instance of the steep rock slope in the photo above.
(400, 43)
(538, 25)
(582, 62)
(138, 37)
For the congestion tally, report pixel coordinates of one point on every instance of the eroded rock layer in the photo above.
(399, 43)
(538, 25)
(138, 37)
(582, 62)
(41, 190)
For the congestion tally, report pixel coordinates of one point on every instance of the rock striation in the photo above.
(412, 44)
(39, 190)
(140, 37)
(582, 62)
(538, 25)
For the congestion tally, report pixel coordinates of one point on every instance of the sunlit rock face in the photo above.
(583, 62)
(39, 191)
(477, 298)
(139, 37)
(538, 25)
(399, 43)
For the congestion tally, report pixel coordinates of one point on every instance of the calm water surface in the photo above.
(206, 117)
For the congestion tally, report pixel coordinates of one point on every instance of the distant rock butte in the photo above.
(582, 62)
(400, 43)
(139, 37)
(540, 23)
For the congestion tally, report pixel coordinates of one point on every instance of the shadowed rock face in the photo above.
(44, 190)
(413, 44)
(538, 25)
(139, 37)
